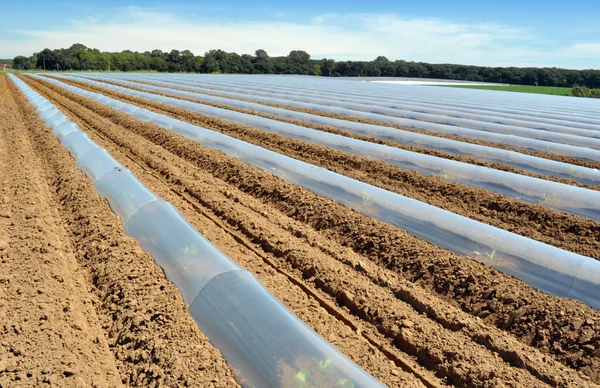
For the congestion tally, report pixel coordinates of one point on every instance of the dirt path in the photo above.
(141, 322)
(417, 305)
(563, 230)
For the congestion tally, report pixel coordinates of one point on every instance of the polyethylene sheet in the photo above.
(188, 258)
(403, 102)
(97, 163)
(53, 121)
(455, 98)
(143, 115)
(48, 113)
(269, 348)
(548, 268)
(77, 143)
(124, 192)
(43, 106)
(63, 129)
(395, 116)
(471, 120)
(215, 286)
(537, 145)
(571, 199)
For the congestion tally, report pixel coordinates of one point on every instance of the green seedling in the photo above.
(548, 199)
(496, 242)
(366, 197)
(324, 364)
(302, 376)
(548, 149)
(442, 173)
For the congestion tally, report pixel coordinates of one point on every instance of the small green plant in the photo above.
(366, 197)
(491, 255)
(548, 149)
(443, 174)
(496, 243)
(548, 199)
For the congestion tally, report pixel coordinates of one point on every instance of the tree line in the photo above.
(81, 58)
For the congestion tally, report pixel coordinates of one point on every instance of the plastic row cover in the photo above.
(567, 198)
(406, 109)
(395, 101)
(397, 96)
(266, 344)
(539, 145)
(528, 163)
(572, 136)
(541, 105)
(550, 269)
(237, 313)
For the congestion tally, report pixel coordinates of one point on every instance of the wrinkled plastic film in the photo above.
(537, 145)
(201, 272)
(471, 119)
(77, 143)
(398, 101)
(559, 196)
(97, 163)
(348, 87)
(395, 116)
(492, 101)
(124, 192)
(550, 269)
(64, 129)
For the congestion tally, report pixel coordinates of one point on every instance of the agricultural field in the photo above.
(423, 236)
(553, 90)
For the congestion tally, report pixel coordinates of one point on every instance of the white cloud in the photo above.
(338, 36)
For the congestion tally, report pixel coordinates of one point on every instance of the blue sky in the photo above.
(495, 33)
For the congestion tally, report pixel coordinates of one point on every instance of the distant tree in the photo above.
(327, 67)
(22, 63)
(80, 57)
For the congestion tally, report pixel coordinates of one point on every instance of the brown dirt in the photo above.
(564, 159)
(82, 305)
(563, 230)
(49, 330)
(442, 318)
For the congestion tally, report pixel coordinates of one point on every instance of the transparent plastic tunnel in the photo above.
(402, 98)
(455, 99)
(265, 344)
(550, 269)
(556, 134)
(583, 150)
(519, 120)
(572, 199)
(581, 110)
(528, 163)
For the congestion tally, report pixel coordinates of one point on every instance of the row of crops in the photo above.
(218, 291)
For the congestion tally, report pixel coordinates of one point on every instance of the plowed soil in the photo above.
(409, 313)
(536, 221)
